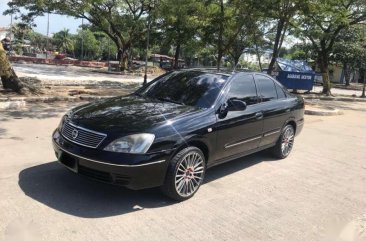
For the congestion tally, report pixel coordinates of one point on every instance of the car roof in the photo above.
(224, 71)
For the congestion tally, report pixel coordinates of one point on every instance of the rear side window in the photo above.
(280, 92)
(266, 88)
(243, 88)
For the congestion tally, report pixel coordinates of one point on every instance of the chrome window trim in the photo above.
(242, 142)
(271, 133)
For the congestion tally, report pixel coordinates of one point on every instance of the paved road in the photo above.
(318, 193)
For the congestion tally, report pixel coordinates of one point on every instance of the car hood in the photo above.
(128, 114)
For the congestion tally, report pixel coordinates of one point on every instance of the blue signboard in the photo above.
(296, 80)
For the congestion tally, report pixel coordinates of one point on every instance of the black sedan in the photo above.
(171, 130)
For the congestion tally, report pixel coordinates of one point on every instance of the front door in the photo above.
(240, 131)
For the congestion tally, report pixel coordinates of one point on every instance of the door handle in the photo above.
(259, 115)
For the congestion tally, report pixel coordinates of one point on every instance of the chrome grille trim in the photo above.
(85, 137)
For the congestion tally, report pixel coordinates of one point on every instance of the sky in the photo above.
(57, 22)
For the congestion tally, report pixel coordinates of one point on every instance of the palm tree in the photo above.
(64, 41)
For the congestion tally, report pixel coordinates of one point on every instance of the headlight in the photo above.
(138, 143)
(61, 123)
(64, 117)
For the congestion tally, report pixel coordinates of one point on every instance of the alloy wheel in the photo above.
(287, 141)
(189, 174)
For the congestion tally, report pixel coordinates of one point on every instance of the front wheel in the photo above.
(285, 143)
(185, 174)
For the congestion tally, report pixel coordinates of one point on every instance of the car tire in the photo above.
(185, 174)
(284, 143)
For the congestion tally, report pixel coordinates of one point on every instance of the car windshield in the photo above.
(193, 88)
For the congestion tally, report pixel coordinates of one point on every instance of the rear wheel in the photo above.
(185, 174)
(285, 143)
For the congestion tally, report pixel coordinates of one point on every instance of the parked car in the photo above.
(170, 131)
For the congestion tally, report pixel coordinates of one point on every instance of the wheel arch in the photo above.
(291, 122)
(200, 144)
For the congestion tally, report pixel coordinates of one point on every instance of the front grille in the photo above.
(82, 136)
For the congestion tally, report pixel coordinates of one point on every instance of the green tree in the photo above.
(21, 31)
(86, 45)
(64, 41)
(349, 50)
(38, 40)
(122, 20)
(321, 22)
(223, 22)
(178, 21)
(276, 16)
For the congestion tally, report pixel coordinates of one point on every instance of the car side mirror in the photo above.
(231, 105)
(236, 105)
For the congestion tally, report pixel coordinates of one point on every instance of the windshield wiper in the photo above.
(170, 100)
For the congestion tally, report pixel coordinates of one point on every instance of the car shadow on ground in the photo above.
(2, 132)
(62, 190)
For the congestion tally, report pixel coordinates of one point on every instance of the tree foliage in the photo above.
(121, 20)
(321, 22)
(204, 32)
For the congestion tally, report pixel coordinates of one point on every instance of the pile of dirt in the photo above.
(151, 70)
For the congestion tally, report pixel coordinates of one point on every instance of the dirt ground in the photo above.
(317, 193)
(75, 81)
(88, 89)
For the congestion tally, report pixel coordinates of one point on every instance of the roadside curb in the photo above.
(324, 112)
(328, 111)
(329, 98)
(20, 102)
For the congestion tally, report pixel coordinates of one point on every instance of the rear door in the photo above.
(240, 131)
(275, 107)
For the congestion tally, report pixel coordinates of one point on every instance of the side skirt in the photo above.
(230, 158)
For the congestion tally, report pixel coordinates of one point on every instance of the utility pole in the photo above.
(11, 33)
(147, 47)
(363, 41)
(82, 38)
(48, 32)
(364, 84)
(109, 49)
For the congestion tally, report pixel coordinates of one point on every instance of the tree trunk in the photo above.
(258, 56)
(324, 69)
(236, 61)
(123, 59)
(177, 49)
(221, 33)
(364, 85)
(176, 56)
(280, 28)
(8, 77)
(347, 73)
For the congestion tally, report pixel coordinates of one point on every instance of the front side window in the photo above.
(243, 88)
(194, 88)
(266, 88)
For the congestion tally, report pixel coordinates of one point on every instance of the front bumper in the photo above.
(134, 171)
